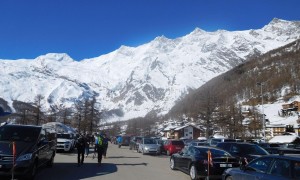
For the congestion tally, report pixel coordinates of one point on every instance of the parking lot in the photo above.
(121, 163)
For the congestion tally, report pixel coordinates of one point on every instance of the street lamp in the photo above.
(262, 109)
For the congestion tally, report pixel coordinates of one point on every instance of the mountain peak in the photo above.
(62, 57)
(277, 24)
(161, 38)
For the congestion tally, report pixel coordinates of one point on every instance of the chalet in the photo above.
(287, 108)
(188, 131)
(279, 129)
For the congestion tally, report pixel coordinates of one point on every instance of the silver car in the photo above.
(149, 146)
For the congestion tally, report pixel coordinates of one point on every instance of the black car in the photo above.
(245, 152)
(34, 146)
(195, 162)
(271, 167)
(134, 142)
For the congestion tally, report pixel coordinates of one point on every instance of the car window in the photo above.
(281, 167)
(15, 133)
(149, 141)
(235, 149)
(261, 164)
(184, 150)
(215, 141)
(190, 151)
(177, 143)
(219, 153)
(251, 149)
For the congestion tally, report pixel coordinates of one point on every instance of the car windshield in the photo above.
(178, 143)
(214, 152)
(149, 141)
(19, 133)
(65, 136)
(252, 149)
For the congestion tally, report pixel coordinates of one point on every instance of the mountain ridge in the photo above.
(138, 80)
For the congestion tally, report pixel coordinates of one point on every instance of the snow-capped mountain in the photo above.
(137, 80)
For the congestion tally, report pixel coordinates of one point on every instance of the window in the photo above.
(261, 164)
(281, 167)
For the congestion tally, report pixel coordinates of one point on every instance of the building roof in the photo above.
(283, 139)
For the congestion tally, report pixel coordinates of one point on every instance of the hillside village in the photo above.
(278, 121)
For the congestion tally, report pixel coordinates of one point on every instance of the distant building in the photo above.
(188, 131)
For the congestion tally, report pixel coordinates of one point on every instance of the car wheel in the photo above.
(32, 172)
(172, 164)
(229, 178)
(193, 172)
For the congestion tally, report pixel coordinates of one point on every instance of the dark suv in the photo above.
(34, 147)
(245, 152)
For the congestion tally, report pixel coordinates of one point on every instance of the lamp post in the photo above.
(262, 110)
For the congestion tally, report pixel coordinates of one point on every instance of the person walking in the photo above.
(99, 149)
(105, 145)
(119, 140)
(87, 145)
(95, 144)
(80, 145)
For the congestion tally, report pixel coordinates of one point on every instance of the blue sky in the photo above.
(90, 28)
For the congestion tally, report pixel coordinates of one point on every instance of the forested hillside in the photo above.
(219, 101)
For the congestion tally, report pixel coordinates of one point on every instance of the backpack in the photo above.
(100, 141)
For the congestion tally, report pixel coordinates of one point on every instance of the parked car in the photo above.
(125, 140)
(246, 152)
(194, 161)
(34, 146)
(134, 142)
(65, 142)
(271, 167)
(149, 146)
(172, 146)
(161, 144)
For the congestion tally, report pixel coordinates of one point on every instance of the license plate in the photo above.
(225, 165)
(178, 148)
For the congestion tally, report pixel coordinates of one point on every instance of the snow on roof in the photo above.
(181, 127)
(218, 136)
(283, 139)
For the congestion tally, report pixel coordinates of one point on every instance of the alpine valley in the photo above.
(133, 81)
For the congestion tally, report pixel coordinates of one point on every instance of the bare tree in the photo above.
(38, 108)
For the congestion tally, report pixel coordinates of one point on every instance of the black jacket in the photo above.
(81, 142)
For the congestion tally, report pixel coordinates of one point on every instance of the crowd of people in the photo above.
(85, 141)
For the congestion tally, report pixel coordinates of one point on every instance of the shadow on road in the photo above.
(111, 157)
(70, 171)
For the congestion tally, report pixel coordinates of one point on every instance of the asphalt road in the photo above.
(121, 163)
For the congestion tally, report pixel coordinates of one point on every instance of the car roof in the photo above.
(236, 143)
(21, 125)
(208, 147)
(285, 156)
